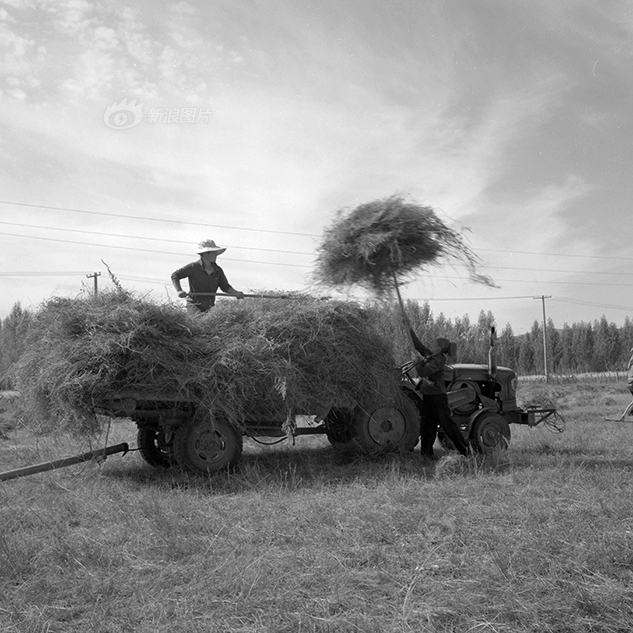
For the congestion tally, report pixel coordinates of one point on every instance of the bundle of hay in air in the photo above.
(256, 359)
(380, 243)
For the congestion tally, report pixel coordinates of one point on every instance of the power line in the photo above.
(146, 250)
(135, 237)
(243, 228)
(494, 250)
(285, 252)
(43, 274)
(150, 219)
(592, 305)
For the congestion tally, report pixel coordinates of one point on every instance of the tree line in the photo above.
(575, 348)
(578, 348)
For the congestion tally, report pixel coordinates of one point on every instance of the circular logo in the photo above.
(123, 115)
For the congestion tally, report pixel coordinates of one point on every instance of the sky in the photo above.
(129, 132)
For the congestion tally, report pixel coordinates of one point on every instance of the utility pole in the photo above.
(96, 286)
(542, 298)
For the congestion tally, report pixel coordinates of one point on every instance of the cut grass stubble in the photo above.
(301, 539)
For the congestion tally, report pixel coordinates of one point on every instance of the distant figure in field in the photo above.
(205, 277)
(630, 372)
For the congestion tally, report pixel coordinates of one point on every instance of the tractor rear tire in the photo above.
(155, 446)
(490, 433)
(387, 426)
(205, 447)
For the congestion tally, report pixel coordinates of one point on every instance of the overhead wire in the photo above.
(151, 219)
(145, 237)
(281, 232)
(271, 231)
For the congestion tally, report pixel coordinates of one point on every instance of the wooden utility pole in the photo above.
(542, 298)
(96, 286)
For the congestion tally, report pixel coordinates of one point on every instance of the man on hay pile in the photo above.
(435, 409)
(204, 277)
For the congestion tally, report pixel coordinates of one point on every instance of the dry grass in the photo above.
(252, 359)
(379, 242)
(303, 539)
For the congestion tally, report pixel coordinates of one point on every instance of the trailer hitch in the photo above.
(66, 461)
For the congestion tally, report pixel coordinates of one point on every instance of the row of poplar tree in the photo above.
(577, 348)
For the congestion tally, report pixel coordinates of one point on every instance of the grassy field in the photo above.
(539, 538)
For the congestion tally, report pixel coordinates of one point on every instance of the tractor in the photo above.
(483, 403)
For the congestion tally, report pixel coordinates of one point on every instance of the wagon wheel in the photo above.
(206, 447)
(392, 425)
(156, 446)
(490, 432)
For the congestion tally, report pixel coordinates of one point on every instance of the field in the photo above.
(300, 538)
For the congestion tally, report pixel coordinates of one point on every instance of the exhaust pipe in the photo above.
(492, 354)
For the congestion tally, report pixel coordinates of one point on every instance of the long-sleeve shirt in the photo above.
(431, 367)
(201, 281)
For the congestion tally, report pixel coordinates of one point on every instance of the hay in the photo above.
(256, 359)
(388, 239)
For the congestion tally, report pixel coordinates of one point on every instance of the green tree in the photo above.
(508, 348)
(12, 337)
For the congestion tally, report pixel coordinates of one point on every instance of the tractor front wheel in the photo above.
(490, 432)
(206, 447)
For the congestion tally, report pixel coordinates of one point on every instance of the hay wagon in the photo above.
(174, 430)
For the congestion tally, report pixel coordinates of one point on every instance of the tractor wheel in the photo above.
(387, 426)
(156, 446)
(490, 432)
(205, 447)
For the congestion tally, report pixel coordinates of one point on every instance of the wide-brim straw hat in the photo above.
(209, 246)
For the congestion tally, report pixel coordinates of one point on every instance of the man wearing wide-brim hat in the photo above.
(204, 277)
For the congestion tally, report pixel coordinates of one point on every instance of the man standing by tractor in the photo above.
(204, 277)
(630, 372)
(435, 409)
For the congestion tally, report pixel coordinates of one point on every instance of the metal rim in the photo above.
(206, 447)
(491, 432)
(387, 425)
(156, 446)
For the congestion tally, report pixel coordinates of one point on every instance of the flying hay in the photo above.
(256, 359)
(379, 243)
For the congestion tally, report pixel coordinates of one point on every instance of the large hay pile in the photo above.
(379, 243)
(250, 359)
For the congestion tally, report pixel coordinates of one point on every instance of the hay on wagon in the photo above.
(256, 359)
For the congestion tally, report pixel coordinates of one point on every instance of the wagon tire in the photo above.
(155, 446)
(490, 433)
(205, 447)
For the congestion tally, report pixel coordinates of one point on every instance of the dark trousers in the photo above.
(435, 411)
